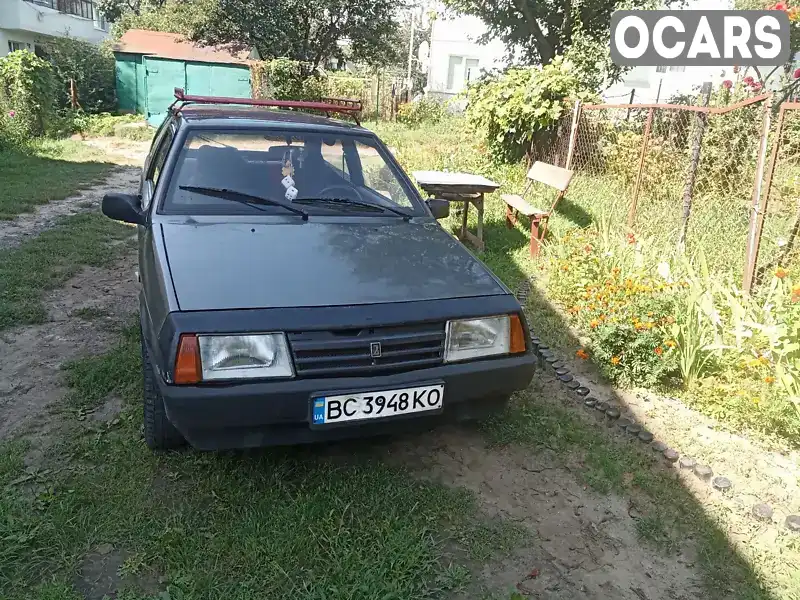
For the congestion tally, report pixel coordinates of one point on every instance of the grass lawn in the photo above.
(51, 170)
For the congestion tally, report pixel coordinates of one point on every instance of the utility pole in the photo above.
(410, 56)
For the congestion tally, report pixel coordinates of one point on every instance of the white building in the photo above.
(25, 24)
(456, 57)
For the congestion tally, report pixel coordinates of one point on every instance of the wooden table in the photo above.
(459, 187)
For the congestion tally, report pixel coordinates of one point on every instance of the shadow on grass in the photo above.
(45, 172)
(574, 212)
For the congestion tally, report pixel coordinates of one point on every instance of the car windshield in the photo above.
(319, 172)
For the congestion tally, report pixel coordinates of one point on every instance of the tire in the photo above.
(159, 433)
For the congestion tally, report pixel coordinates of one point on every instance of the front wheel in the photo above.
(159, 433)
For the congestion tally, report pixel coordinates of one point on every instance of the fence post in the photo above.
(757, 211)
(645, 139)
(630, 101)
(573, 134)
(688, 189)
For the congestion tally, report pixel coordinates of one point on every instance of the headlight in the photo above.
(477, 338)
(244, 356)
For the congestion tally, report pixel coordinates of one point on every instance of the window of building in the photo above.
(14, 46)
(80, 8)
(664, 69)
(471, 70)
(461, 71)
(453, 66)
(99, 20)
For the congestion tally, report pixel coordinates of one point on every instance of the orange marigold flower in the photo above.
(670, 343)
(615, 360)
(594, 323)
(780, 272)
(659, 350)
(631, 238)
(582, 354)
(769, 379)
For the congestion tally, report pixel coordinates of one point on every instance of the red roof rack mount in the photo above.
(347, 106)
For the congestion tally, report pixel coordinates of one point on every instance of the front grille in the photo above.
(347, 352)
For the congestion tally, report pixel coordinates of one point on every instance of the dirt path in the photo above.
(13, 233)
(30, 380)
(131, 151)
(584, 546)
(30, 377)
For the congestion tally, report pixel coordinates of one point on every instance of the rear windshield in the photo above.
(333, 166)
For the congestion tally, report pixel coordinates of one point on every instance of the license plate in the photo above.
(376, 405)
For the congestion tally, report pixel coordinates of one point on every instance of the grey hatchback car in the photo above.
(295, 287)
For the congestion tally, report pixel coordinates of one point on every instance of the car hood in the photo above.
(271, 265)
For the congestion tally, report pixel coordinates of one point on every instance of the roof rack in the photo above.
(345, 106)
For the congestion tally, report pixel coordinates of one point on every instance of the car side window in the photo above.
(335, 157)
(156, 167)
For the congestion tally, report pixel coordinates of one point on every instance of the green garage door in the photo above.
(201, 79)
(206, 79)
(162, 77)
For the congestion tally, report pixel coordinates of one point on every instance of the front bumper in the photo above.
(243, 415)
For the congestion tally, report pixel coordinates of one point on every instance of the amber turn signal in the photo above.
(517, 336)
(187, 361)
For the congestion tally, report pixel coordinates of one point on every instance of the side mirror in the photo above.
(440, 208)
(124, 207)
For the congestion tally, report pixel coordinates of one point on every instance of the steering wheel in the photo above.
(350, 193)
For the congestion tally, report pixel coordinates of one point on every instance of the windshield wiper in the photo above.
(349, 202)
(242, 198)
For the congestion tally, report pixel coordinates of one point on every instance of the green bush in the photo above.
(520, 108)
(26, 93)
(421, 111)
(285, 79)
(346, 86)
(91, 67)
(10, 139)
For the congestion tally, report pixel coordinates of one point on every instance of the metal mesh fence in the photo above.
(681, 177)
(781, 210)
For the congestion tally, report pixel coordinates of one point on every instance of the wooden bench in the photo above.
(551, 176)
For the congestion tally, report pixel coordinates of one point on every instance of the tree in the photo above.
(536, 31)
(171, 16)
(310, 31)
(113, 10)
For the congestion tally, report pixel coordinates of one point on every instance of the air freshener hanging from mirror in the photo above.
(288, 181)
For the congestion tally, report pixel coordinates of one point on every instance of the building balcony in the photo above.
(36, 18)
